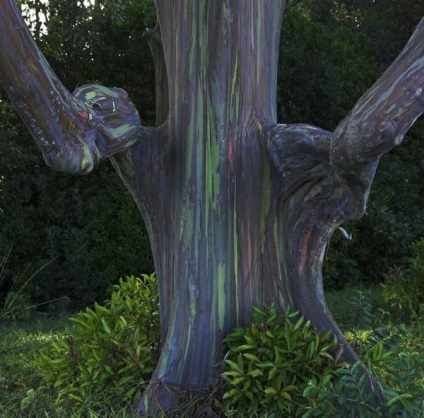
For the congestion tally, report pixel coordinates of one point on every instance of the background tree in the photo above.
(252, 204)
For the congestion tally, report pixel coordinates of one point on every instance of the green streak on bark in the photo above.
(236, 263)
(87, 159)
(258, 42)
(120, 130)
(235, 77)
(222, 301)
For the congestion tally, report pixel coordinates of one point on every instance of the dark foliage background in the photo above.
(89, 230)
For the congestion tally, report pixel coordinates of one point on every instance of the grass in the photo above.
(22, 393)
(19, 344)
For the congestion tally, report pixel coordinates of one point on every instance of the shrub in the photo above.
(404, 286)
(391, 352)
(269, 363)
(348, 395)
(278, 366)
(110, 353)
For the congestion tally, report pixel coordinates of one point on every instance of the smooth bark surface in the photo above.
(239, 209)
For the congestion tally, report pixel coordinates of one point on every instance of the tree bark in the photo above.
(239, 209)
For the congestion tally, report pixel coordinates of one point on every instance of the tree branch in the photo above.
(325, 178)
(350, 155)
(314, 202)
(73, 132)
(295, 149)
(380, 119)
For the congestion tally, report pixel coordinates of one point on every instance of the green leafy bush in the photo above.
(391, 352)
(269, 363)
(110, 353)
(345, 395)
(278, 366)
(404, 286)
(348, 394)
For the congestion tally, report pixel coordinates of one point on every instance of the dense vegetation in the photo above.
(99, 362)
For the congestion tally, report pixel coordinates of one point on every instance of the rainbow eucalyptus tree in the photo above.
(239, 208)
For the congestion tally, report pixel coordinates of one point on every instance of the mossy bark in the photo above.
(239, 209)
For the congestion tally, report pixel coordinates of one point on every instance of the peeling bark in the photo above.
(239, 209)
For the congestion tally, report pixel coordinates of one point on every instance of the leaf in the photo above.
(269, 334)
(76, 397)
(265, 364)
(310, 351)
(233, 373)
(234, 366)
(326, 355)
(272, 373)
(298, 324)
(109, 369)
(277, 355)
(285, 395)
(255, 373)
(251, 357)
(240, 362)
(310, 389)
(393, 400)
(101, 308)
(106, 326)
(254, 329)
(243, 348)
(58, 383)
(356, 365)
(123, 320)
(86, 325)
(249, 340)
(326, 379)
(293, 314)
(270, 391)
(289, 388)
(277, 382)
(230, 393)
(237, 380)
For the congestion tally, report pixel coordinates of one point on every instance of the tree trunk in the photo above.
(239, 209)
(215, 224)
